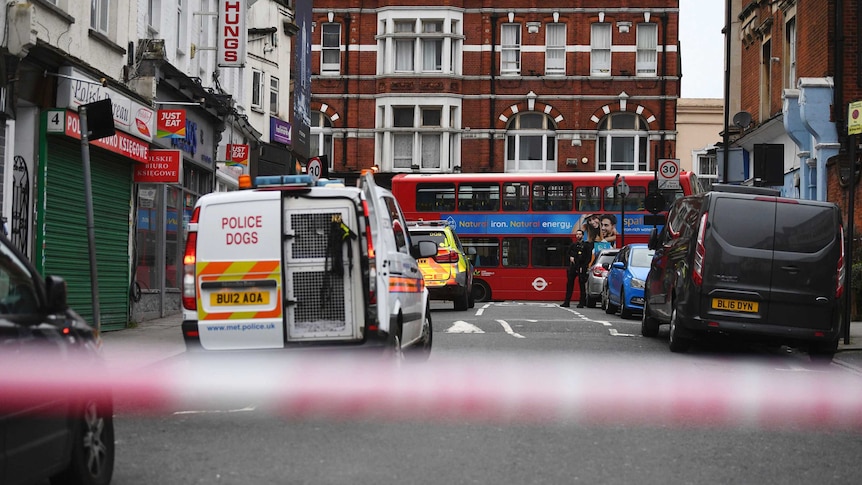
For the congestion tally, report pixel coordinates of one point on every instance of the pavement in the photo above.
(155, 340)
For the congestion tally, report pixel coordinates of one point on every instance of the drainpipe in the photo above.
(493, 92)
(726, 138)
(346, 90)
(662, 123)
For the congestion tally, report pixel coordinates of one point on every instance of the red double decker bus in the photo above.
(516, 227)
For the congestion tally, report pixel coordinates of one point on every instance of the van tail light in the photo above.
(446, 256)
(841, 270)
(189, 260)
(372, 265)
(699, 253)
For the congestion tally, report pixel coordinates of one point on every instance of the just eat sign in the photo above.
(171, 123)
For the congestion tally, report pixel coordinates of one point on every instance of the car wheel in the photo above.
(822, 353)
(676, 342)
(394, 349)
(590, 301)
(481, 291)
(624, 312)
(649, 325)
(421, 350)
(93, 449)
(610, 308)
(471, 302)
(462, 302)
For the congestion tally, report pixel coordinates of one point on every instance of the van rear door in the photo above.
(738, 262)
(238, 271)
(323, 277)
(807, 250)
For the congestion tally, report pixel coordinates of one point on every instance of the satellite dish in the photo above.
(742, 119)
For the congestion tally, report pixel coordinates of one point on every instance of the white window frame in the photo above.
(510, 49)
(182, 28)
(328, 47)
(791, 36)
(427, 140)
(154, 8)
(610, 137)
(601, 44)
(257, 89)
(709, 177)
(100, 16)
(393, 40)
(647, 49)
(515, 148)
(274, 99)
(321, 136)
(431, 43)
(555, 52)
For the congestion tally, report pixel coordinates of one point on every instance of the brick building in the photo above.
(494, 86)
(794, 70)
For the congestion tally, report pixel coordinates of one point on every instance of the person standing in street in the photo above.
(578, 259)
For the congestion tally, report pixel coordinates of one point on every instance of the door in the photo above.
(805, 266)
(322, 277)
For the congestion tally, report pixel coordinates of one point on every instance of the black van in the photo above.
(744, 261)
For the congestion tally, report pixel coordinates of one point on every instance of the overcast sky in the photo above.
(702, 45)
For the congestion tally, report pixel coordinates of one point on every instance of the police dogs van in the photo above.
(293, 262)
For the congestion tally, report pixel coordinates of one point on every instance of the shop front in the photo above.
(181, 169)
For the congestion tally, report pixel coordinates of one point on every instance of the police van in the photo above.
(294, 262)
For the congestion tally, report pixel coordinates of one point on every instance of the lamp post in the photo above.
(623, 189)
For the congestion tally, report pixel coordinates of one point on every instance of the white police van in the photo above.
(294, 262)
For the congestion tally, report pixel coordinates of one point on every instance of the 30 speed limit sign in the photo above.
(315, 168)
(668, 173)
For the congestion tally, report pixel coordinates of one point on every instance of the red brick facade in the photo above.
(575, 101)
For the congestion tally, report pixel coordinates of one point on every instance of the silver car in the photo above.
(596, 275)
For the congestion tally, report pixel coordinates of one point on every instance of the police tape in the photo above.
(591, 390)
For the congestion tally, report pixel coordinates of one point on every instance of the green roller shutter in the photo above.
(65, 247)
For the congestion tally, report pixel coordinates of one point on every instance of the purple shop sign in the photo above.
(279, 131)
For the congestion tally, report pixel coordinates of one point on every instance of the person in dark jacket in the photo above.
(578, 260)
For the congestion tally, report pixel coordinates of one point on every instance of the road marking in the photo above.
(246, 409)
(480, 311)
(509, 330)
(614, 333)
(461, 326)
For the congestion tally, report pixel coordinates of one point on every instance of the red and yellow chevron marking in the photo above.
(240, 270)
(400, 284)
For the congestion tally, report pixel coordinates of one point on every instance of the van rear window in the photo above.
(744, 223)
(802, 228)
(799, 228)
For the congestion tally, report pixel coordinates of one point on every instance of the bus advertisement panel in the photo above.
(516, 228)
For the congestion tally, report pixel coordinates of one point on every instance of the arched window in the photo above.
(623, 143)
(321, 136)
(531, 144)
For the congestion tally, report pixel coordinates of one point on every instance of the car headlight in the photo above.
(636, 283)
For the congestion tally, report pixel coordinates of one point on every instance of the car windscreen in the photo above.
(641, 258)
(803, 228)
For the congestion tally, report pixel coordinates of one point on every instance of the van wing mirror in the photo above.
(424, 249)
(55, 287)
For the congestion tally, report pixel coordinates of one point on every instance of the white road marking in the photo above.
(614, 333)
(508, 329)
(461, 326)
(480, 311)
(246, 409)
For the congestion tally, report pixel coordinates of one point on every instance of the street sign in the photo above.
(654, 202)
(668, 173)
(854, 118)
(623, 188)
(314, 168)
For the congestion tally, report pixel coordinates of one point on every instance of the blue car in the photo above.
(624, 286)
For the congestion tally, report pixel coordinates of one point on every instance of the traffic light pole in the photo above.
(848, 261)
(91, 232)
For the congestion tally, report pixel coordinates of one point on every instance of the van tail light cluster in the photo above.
(841, 270)
(599, 271)
(372, 266)
(446, 256)
(699, 253)
(189, 260)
